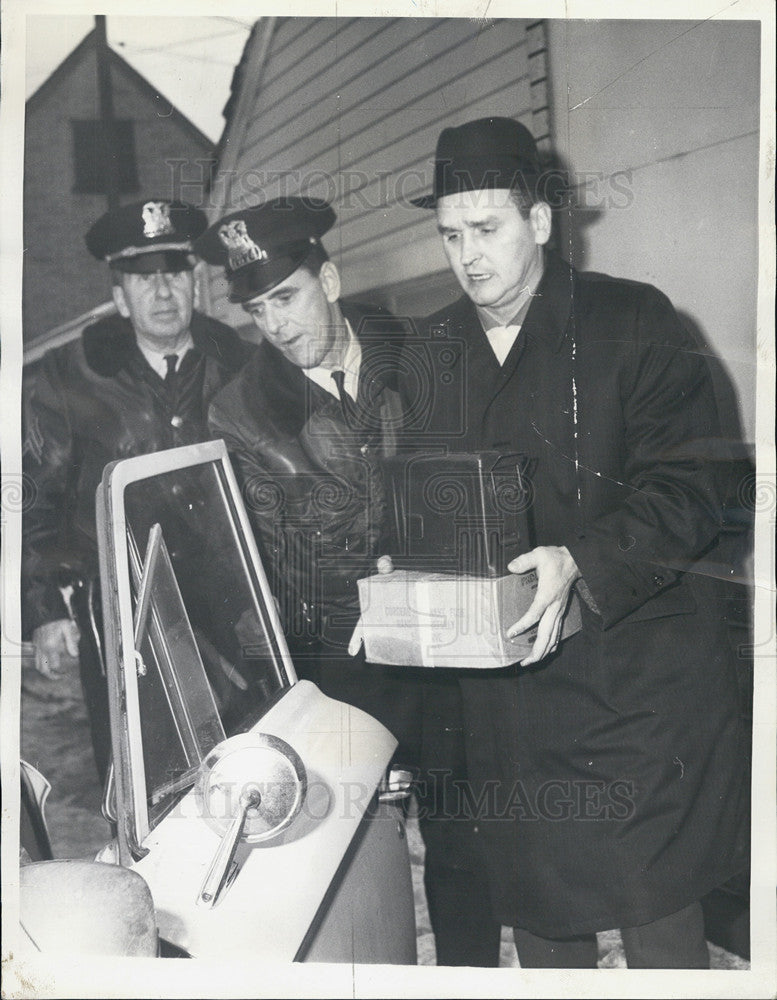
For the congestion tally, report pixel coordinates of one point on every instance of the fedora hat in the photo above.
(482, 154)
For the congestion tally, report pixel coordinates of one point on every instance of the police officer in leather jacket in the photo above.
(307, 422)
(135, 382)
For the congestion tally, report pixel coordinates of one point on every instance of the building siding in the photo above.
(660, 123)
(350, 109)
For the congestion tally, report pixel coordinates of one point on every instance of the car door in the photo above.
(247, 800)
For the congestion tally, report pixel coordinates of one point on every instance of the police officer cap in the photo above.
(151, 235)
(260, 246)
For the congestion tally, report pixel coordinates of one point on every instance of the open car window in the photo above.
(194, 647)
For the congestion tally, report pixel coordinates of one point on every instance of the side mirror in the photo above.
(250, 788)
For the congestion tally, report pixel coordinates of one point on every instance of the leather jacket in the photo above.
(310, 475)
(91, 402)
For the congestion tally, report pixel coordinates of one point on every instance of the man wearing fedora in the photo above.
(135, 382)
(611, 759)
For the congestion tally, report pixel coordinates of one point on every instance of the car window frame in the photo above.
(131, 792)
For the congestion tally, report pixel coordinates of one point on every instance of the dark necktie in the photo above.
(346, 403)
(357, 421)
(171, 360)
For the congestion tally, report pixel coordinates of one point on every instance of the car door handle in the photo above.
(396, 785)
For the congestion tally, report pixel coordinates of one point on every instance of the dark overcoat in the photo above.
(606, 781)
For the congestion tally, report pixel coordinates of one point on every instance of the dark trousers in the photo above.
(95, 690)
(672, 942)
(93, 681)
(457, 895)
(465, 932)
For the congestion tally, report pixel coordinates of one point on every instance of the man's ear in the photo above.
(541, 220)
(329, 277)
(120, 301)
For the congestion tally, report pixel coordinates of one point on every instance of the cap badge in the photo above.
(240, 247)
(156, 219)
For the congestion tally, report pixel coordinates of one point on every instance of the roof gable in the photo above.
(88, 44)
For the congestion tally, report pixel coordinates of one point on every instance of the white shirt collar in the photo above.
(351, 365)
(501, 339)
(157, 358)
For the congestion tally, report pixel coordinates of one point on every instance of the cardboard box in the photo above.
(413, 618)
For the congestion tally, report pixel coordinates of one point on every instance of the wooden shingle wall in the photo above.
(350, 110)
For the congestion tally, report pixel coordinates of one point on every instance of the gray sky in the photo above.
(190, 60)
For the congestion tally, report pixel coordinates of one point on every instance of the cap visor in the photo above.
(260, 276)
(148, 262)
